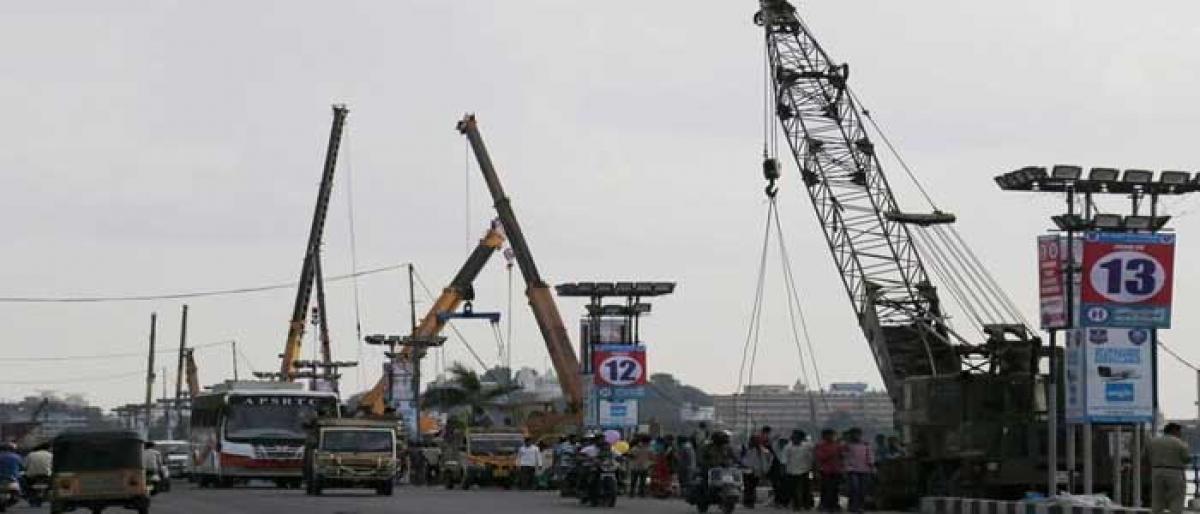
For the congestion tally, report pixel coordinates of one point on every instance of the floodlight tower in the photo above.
(1139, 186)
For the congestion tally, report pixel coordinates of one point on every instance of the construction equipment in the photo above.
(309, 269)
(541, 301)
(971, 414)
(193, 374)
(460, 290)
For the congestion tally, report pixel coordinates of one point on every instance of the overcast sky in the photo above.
(174, 146)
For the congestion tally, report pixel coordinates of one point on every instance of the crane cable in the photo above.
(955, 244)
(755, 316)
(358, 337)
(457, 333)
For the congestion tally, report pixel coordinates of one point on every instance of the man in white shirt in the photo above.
(529, 459)
(38, 463)
(798, 464)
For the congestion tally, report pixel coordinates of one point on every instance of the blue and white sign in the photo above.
(618, 413)
(1109, 377)
(620, 393)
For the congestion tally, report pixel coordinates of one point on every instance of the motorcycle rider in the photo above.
(38, 466)
(10, 468)
(716, 453)
(152, 462)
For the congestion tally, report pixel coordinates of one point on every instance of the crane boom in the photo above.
(897, 307)
(541, 301)
(291, 349)
(459, 290)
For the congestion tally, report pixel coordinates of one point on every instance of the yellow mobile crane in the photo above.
(459, 290)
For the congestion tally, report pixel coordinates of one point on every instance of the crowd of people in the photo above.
(790, 469)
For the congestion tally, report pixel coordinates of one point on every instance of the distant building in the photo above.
(40, 418)
(785, 408)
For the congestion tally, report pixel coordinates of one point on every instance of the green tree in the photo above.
(466, 391)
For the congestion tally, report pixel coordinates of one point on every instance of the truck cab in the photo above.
(492, 457)
(351, 453)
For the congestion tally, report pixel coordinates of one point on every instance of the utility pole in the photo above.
(233, 350)
(412, 298)
(150, 374)
(179, 370)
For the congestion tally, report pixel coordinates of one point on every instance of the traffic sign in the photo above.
(1127, 280)
(619, 365)
(1051, 287)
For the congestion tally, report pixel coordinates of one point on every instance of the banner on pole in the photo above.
(1051, 287)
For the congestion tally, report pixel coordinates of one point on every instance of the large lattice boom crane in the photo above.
(867, 233)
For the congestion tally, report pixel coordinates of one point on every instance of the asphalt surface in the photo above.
(184, 498)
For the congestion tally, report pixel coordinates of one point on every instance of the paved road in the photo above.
(185, 499)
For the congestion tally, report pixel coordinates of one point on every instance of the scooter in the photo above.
(721, 487)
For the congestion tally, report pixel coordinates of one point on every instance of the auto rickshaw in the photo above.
(98, 469)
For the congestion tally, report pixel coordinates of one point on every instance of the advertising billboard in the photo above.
(618, 413)
(1127, 280)
(1109, 375)
(402, 396)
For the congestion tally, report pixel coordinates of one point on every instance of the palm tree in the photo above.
(467, 390)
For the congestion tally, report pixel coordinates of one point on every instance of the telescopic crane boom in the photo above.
(459, 290)
(545, 310)
(308, 270)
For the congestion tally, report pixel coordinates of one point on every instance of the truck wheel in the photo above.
(385, 489)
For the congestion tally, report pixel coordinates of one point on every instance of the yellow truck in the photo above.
(491, 458)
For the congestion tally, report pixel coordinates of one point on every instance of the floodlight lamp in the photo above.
(1107, 221)
(1174, 178)
(1138, 222)
(625, 288)
(1070, 222)
(605, 288)
(1150, 223)
(664, 287)
(1138, 176)
(644, 288)
(1066, 172)
(1035, 172)
(1103, 174)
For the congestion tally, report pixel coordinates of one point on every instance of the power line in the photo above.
(91, 379)
(1177, 356)
(104, 356)
(193, 294)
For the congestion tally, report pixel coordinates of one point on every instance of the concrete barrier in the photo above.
(944, 505)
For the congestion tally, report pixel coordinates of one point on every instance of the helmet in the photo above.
(721, 437)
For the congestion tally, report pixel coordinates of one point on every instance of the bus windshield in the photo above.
(276, 417)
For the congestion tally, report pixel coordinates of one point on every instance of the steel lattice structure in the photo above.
(872, 248)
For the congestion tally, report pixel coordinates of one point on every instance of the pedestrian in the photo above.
(641, 457)
(798, 465)
(685, 463)
(529, 459)
(701, 437)
(1169, 457)
(859, 463)
(660, 470)
(895, 448)
(756, 458)
(828, 454)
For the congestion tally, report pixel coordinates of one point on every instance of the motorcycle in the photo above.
(154, 483)
(600, 482)
(721, 487)
(10, 494)
(37, 490)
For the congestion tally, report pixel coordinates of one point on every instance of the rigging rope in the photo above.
(796, 311)
(755, 314)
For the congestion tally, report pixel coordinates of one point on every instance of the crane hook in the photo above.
(771, 173)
